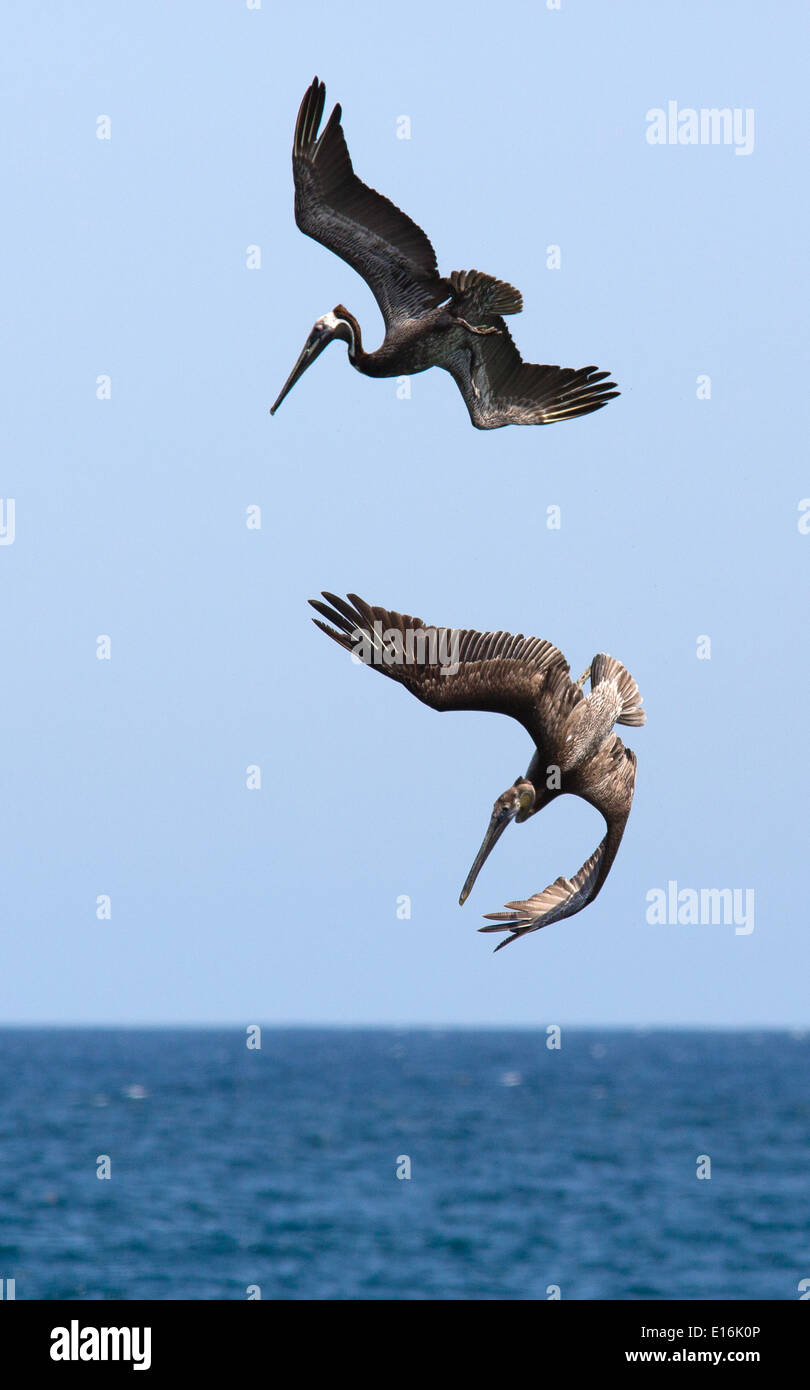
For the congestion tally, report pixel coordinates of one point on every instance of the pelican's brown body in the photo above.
(430, 321)
(414, 348)
(576, 751)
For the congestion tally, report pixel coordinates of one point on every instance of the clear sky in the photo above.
(127, 258)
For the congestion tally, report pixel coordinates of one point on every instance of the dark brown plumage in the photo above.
(454, 323)
(527, 678)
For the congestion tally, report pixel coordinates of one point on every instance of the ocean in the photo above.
(404, 1164)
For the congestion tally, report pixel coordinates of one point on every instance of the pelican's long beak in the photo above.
(313, 347)
(501, 817)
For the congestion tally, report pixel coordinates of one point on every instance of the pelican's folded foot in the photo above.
(473, 329)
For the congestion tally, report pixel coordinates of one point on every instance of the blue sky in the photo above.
(679, 516)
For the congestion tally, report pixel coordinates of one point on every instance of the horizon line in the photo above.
(399, 1026)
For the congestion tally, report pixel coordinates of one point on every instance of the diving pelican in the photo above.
(576, 751)
(453, 323)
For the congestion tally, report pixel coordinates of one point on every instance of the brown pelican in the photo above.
(527, 678)
(452, 323)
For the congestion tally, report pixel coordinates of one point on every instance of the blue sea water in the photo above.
(530, 1167)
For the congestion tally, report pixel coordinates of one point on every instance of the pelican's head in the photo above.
(338, 323)
(516, 803)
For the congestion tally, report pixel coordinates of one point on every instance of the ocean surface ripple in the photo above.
(532, 1169)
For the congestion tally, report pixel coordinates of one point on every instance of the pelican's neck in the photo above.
(347, 328)
(546, 777)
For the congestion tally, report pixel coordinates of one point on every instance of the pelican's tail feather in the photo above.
(607, 668)
(484, 294)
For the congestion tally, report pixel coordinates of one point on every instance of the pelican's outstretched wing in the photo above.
(499, 388)
(607, 781)
(451, 668)
(332, 205)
